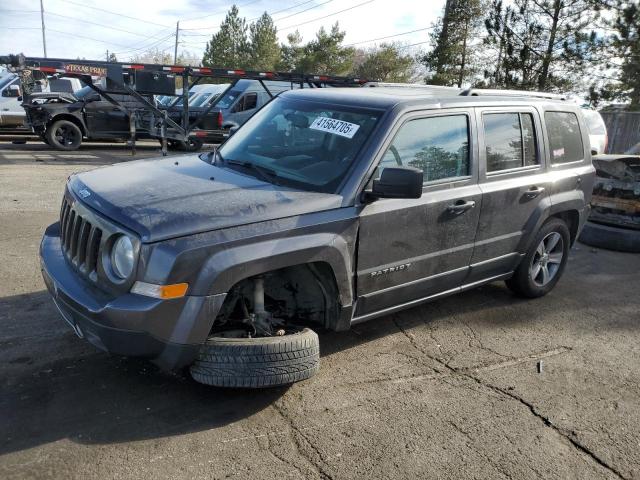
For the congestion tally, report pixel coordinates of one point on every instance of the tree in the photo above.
(264, 49)
(541, 44)
(385, 63)
(326, 55)
(291, 53)
(450, 60)
(626, 44)
(229, 47)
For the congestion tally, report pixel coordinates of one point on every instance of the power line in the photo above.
(85, 37)
(114, 13)
(272, 13)
(327, 16)
(199, 17)
(97, 23)
(389, 36)
(305, 10)
(153, 44)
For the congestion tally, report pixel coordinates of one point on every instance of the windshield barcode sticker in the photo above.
(337, 127)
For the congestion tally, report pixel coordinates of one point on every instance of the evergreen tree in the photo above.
(291, 53)
(326, 55)
(229, 47)
(385, 63)
(264, 48)
(626, 45)
(451, 59)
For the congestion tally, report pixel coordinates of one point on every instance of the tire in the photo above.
(611, 238)
(258, 362)
(64, 135)
(544, 262)
(191, 145)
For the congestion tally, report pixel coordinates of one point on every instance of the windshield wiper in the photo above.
(265, 173)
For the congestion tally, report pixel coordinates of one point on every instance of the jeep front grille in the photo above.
(80, 239)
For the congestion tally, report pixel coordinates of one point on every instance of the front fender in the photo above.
(226, 268)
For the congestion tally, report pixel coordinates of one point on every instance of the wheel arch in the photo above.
(71, 118)
(327, 255)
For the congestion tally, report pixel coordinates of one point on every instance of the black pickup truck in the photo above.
(63, 120)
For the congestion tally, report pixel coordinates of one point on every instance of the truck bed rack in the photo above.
(141, 80)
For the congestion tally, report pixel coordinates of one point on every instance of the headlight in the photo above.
(122, 257)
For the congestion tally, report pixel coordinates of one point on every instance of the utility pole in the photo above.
(44, 39)
(175, 52)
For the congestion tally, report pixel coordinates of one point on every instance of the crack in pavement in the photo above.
(283, 459)
(488, 458)
(317, 466)
(530, 407)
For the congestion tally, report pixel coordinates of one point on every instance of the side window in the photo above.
(439, 146)
(250, 101)
(510, 141)
(565, 138)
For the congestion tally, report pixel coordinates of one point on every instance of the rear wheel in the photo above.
(544, 263)
(237, 361)
(64, 135)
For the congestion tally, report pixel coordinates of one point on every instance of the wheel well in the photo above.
(70, 118)
(306, 293)
(572, 219)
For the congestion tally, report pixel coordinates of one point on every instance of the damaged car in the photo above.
(327, 208)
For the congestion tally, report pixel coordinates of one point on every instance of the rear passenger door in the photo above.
(515, 187)
(411, 249)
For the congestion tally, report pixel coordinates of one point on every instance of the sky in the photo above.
(88, 28)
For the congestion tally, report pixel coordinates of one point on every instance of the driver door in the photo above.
(413, 249)
(104, 118)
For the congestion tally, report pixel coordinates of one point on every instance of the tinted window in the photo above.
(510, 140)
(565, 138)
(250, 101)
(439, 146)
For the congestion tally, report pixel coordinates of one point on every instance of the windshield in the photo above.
(303, 144)
(4, 81)
(200, 99)
(227, 100)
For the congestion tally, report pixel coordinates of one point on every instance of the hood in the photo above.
(70, 97)
(171, 197)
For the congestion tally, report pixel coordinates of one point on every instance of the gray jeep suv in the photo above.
(327, 208)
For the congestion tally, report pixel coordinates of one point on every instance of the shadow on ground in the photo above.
(55, 386)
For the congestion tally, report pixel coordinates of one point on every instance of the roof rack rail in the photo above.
(411, 85)
(495, 92)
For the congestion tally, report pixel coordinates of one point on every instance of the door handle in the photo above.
(461, 206)
(533, 192)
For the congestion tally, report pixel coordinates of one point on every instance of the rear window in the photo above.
(565, 138)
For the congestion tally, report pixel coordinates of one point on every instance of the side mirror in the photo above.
(594, 151)
(398, 182)
(93, 97)
(13, 91)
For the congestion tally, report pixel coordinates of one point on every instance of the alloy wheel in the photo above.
(547, 259)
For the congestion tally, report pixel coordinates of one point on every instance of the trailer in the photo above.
(141, 82)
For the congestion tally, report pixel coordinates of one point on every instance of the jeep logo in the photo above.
(396, 268)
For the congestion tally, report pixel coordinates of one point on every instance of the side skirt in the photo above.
(419, 301)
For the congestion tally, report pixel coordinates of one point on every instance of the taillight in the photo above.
(219, 120)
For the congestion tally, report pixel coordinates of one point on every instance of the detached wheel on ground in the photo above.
(544, 263)
(64, 135)
(611, 238)
(258, 362)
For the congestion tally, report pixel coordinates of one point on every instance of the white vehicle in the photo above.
(207, 94)
(12, 115)
(597, 131)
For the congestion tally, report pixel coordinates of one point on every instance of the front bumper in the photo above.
(169, 332)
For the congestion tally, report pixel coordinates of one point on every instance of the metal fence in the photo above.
(623, 129)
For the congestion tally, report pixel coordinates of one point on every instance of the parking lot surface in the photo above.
(480, 385)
